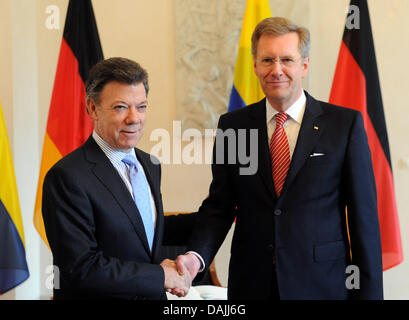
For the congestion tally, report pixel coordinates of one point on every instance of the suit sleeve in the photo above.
(216, 213)
(362, 214)
(178, 228)
(72, 230)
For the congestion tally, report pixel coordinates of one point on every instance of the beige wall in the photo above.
(5, 65)
(6, 99)
(144, 31)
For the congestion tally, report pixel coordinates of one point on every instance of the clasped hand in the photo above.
(180, 273)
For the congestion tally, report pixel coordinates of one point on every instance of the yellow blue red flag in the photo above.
(246, 86)
(13, 264)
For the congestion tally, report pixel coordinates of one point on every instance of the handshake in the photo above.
(180, 273)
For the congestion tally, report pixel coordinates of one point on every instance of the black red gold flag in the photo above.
(356, 86)
(68, 124)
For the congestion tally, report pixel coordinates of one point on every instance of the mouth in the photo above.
(276, 83)
(129, 132)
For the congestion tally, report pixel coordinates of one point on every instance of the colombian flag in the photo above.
(356, 85)
(13, 264)
(246, 86)
(68, 124)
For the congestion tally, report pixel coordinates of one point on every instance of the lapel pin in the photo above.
(315, 128)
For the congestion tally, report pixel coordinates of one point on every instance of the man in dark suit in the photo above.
(310, 211)
(104, 227)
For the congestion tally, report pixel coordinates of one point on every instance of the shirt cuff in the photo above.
(202, 264)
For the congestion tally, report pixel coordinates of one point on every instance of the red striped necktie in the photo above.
(280, 153)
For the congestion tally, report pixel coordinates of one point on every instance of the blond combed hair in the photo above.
(279, 26)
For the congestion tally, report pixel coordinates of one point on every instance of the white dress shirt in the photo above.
(116, 156)
(293, 123)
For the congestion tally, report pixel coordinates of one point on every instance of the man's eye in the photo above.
(118, 107)
(142, 108)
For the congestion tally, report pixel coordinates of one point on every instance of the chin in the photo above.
(277, 91)
(130, 144)
(277, 97)
(124, 145)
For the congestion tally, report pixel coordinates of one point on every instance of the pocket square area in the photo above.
(317, 154)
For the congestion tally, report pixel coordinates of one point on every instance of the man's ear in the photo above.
(256, 70)
(91, 108)
(306, 65)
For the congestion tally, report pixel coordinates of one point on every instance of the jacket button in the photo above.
(277, 212)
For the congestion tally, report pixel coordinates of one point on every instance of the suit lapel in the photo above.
(109, 177)
(150, 172)
(258, 120)
(310, 131)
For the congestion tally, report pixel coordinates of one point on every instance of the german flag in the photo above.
(68, 124)
(356, 86)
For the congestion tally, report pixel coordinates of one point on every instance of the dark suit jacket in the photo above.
(96, 233)
(305, 228)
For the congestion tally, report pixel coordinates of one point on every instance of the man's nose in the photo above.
(132, 116)
(276, 68)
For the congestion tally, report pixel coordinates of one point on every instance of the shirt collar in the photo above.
(114, 155)
(294, 111)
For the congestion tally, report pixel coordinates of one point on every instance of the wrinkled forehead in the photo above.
(282, 45)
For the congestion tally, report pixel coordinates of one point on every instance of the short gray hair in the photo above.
(114, 69)
(278, 26)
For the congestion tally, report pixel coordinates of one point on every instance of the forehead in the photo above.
(286, 44)
(117, 91)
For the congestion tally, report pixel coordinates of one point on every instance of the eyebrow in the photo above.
(123, 102)
(283, 56)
